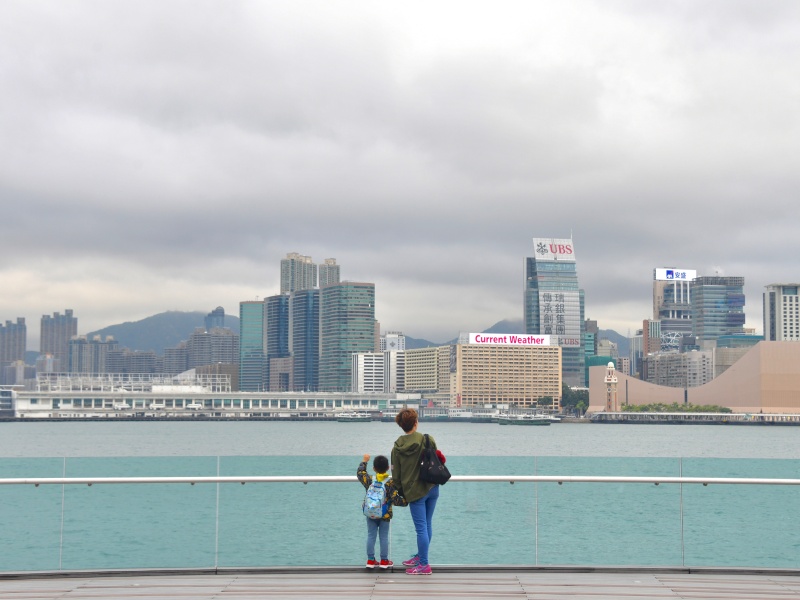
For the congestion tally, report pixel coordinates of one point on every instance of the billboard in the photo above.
(675, 274)
(554, 249)
(509, 339)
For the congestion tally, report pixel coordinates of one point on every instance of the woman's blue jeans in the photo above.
(422, 515)
(376, 528)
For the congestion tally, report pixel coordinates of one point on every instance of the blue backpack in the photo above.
(375, 505)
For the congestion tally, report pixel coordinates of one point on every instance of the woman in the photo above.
(420, 495)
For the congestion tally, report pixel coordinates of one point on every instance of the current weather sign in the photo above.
(675, 274)
(508, 339)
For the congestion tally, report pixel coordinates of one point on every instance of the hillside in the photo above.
(164, 330)
(168, 329)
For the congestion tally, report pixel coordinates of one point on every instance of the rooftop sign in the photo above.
(553, 249)
(675, 274)
(509, 339)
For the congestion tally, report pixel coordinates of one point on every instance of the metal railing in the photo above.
(217, 522)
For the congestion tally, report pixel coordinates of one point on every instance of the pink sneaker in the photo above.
(411, 562)
(419, 570)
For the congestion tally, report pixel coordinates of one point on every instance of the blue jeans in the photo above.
(374, 528)
(422, 515)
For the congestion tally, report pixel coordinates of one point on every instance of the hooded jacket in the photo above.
(406, 456)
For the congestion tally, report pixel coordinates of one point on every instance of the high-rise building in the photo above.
(328, 272)
(212, 346)
(672, 305)
(56, 332)
(651, 336)
(782, 312)
(392, 341)
(276, 340)
(216, 318)
(251, 346)
(90, 356)
(298, 272)
(717, 307)
(347, 326)
(304, 339)
(554, 304)
(13, 341)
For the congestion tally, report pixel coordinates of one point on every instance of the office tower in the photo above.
(212, 346)
(251, 346)
(328, 272)
(56, 332)
(717, 307)
(651, 336)
(216, 318)
(304, 339)
(298, 272)
(13, 341)
(554, 303)
(782, 312)
(672, 304)
(276, 342)
(347, 326)
(393, 340)
(368, 372)
(90, 356)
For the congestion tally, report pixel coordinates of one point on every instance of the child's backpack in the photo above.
(375, 505)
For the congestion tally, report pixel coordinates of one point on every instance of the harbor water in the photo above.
(53, 527)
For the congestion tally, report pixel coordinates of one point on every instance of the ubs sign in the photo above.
(554, 249)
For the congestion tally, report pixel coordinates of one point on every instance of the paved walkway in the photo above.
(533, 585)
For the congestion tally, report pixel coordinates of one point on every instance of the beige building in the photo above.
(469, 375)
(766, 379)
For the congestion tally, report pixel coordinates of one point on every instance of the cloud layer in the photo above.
(166, 155)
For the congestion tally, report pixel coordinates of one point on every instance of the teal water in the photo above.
(130, 526)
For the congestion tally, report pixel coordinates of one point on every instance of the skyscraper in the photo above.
(251, 346)
(276, 338)
(56, 332)
(717, 307)
(304, 339)
(672, 305)
(328, 272)
(782, 312)
(298, 272)
(216, 318)
(347, 326)
(554, 304)
(13, 341)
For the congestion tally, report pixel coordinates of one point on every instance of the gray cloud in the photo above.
(167, 155)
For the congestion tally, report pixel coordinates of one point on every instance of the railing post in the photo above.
(61, 534)
(683, 548)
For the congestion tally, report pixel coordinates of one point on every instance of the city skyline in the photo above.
(148, 166)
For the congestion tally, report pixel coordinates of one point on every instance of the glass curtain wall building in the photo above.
(304, 339)
(347, 326)
(252, 360)
(717, 307)
(554, 304)
(276, 332)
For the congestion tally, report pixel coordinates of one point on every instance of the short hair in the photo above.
(380, 463)
(406, 419)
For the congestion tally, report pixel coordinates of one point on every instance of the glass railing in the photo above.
(195, 512)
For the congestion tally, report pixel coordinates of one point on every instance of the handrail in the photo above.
(559, 479)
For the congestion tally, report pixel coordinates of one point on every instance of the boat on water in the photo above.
(353, 417)
(524, 419)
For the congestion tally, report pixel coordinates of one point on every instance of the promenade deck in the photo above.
(462, 582)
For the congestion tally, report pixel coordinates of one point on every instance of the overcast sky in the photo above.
(167, 155)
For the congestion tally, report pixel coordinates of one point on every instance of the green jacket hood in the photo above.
(409, 445)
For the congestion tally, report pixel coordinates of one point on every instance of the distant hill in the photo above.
(168, 329)
(164, 330)
(623, 343)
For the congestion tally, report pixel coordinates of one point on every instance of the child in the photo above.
(379, 527)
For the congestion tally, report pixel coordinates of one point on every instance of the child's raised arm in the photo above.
(362, 474)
